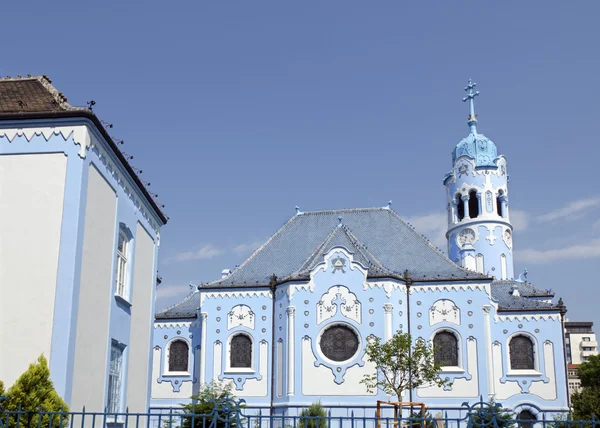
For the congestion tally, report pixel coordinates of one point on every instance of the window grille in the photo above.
(339, 343)
(241, 351)
(121, 274)
(521, 353)
(445, 349)
(114, 378)
(178, 356)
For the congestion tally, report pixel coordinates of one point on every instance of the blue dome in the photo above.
(478, 147)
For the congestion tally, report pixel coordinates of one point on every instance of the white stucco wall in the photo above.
(92, 341)
(31, 205)
(141, 322)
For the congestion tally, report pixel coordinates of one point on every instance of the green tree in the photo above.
(210, 397)
(314, 416)
(586, 403)
(402, 364)
(34, 394)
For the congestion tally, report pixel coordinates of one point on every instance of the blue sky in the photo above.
(239, 111)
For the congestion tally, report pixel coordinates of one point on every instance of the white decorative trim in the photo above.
(233, 294)
(491, 234)
(292, 288)
(387, 286)
(176, 324)
(80, 134)
(449, 287)
(528, 317)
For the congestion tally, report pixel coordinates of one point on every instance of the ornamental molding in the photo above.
(80, 134)
(292, 288)
(234, 294)
(387, 286)
(527, 317)
(339, 297)
(240, 315)
(449, 287)
(444, 310)
(176, 324)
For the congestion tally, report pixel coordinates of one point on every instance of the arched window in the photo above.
(526, 419)
(499, 202)
(473, 204)
(521, 353)
(460, 208)
(178, 356)
(240, 355)
(445, 349)
(122, 265)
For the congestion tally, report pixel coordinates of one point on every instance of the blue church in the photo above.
(289, 326)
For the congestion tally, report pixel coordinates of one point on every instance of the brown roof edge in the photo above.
(87, 114)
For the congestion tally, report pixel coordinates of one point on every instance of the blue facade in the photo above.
(313, 295)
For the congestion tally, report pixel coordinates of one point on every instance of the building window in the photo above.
(121, 275)
(473, 204)
(526, 419)
(178, 356)
(115, 375)
(240, 352)
(445, 349)
(339, 343)
(460, 208)
(585, 339)
(521, 353)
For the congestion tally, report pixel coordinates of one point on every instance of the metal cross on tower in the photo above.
(470, 96)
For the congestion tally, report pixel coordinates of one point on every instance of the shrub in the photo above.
(210, 397)
(34, 391)
(313, 417)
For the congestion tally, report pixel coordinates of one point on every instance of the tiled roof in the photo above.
(380, 239)
(35, 98)
(31, 94)
(502, 292)
(187, 308)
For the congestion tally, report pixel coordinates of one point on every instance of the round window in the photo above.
(339, 343)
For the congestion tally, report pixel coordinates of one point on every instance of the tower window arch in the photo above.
(521, 353)
(460, 208)
(473, 204)
(240, 353)
(499, 202)
(445, 346)
(178, 356)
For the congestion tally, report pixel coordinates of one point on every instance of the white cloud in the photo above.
(243, 249)
(206, 252)
(519, 219)
(571, 210)
(587, 250)
(433, 226)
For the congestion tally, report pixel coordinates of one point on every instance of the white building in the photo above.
(79, 241)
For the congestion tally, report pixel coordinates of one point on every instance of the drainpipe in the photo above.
(408, 280)
(563, 311)
(273, 286)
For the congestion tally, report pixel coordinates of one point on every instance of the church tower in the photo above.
(479, 229)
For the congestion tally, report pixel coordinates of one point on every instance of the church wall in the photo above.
(92, 333)
(31, 203)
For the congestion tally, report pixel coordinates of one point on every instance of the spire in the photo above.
(470, 97)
